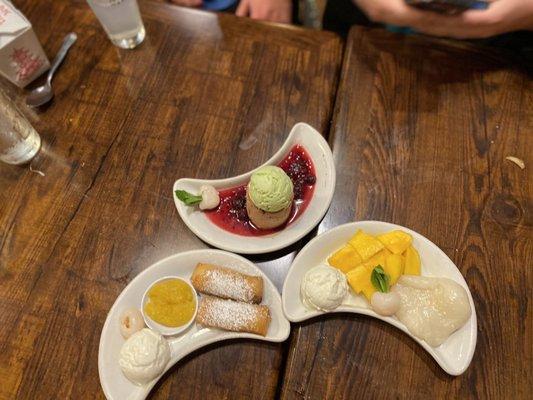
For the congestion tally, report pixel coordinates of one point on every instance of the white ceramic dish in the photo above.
(319, 151)
(454, 355)
(114, 383)
(162, 329)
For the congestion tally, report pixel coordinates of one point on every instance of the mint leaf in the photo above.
(380, 279)
(188, 198)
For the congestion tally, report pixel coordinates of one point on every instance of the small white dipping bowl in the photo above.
(162, 329)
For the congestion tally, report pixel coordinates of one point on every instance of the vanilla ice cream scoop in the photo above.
(323, 288)
(144, 356)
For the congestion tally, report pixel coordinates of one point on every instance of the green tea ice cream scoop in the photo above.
(270, 189)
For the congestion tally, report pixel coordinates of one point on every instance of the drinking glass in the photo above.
(121, 20)
(19, 142)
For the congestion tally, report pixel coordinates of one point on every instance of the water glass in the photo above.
(19, 142)
(121, 20)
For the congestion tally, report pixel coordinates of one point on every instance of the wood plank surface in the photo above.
(204, 96)
(420, 134)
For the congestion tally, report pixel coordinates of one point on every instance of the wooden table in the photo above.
(123, 126)
(417, 141)
(419, 136)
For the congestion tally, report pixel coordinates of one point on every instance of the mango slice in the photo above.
(377, 259)
(394, 267)
(369, 290)
(359, 280)
(365, 244)
(412, 261)
(396, 241)
(345, 259)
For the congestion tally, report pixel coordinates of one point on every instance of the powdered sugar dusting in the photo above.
(221, 283)
(227, 283)
(233, 315)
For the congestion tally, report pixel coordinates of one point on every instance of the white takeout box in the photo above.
(22, 58)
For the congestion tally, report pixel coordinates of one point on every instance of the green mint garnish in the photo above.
(188, 198)
(380, 279)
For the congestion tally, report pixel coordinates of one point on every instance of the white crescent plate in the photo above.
(454, 355)
(320, 153)
(114, 383)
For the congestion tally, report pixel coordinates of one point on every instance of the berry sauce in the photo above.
(231, 214)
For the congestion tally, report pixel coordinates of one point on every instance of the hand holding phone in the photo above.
(450, 7)
(499, 17)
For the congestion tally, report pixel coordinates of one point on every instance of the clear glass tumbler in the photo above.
(19, 142)
(121, 20)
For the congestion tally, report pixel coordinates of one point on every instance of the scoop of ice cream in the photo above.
(144, 356)
(432, 308)
(270, 189)
(323, 288)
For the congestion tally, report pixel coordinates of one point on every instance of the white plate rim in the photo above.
(267, 243)
(357, 310)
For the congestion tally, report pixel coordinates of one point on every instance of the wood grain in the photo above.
(420, 133)
(204, 96)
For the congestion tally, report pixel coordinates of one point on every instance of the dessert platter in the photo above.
(268, 208)
(391, 273)
(176, 306)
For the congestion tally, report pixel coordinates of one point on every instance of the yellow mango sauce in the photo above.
(171, 303)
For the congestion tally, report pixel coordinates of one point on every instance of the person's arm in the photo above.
(266, 10)
(502, 16)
